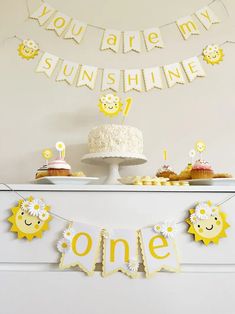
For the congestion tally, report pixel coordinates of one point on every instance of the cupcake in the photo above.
(59, 167)
(41, 172)
(166, 172)
(186, 173)
(202, 170)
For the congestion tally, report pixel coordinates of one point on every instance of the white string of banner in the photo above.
(160, 26)
(100, 68)
(70, 221)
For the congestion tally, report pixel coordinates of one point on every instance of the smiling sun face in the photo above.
(110, 105)
(28, 49)
(210, 229)
(213, 54)
(27, 225)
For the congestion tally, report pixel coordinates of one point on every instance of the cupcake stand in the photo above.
(114, 161)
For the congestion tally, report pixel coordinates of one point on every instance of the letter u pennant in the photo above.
(158, 252)
(80, 246)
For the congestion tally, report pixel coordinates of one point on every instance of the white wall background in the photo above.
(37, 111)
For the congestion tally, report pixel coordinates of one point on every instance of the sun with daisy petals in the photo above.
(110, 105)
(30, 218)
(208, 227)
(213, 54)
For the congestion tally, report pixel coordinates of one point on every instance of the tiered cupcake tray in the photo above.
(114, 161)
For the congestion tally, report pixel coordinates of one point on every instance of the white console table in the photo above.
(31, 283)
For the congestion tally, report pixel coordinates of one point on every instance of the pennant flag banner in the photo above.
(69, 28)
(140, 80)
(122, 250)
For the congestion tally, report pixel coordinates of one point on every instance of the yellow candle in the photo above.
(164, 154)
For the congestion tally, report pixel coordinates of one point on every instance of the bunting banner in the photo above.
(70, 28)
(150, 249)
(140, 80)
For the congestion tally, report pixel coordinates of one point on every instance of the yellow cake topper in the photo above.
(28, 49)
(110, 105)
(60, 146)
(200, 146)
(207, 223)
(30, 218)
(213, 54)
(47, 153)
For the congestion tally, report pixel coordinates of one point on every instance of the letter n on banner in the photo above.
(173, 74)
(87, 76)
(43, 13)
(187, 27)
(158, 252)
(85, 246)
(47, 64)
(121, 252)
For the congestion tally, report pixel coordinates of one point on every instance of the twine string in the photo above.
(160, 26)
(70, 221)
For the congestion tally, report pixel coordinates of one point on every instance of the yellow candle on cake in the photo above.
(128, 107)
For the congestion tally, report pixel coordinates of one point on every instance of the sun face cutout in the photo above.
(211, 228)
(30, 218)
(213, 54)
(28, 49)
(110, 105)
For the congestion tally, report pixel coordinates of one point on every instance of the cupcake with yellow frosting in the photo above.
(186, 173)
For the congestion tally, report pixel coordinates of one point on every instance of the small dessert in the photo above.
(146, 180)
(78, 174)
(41, 172)
(59, 167)
(166, 172)
(202, 170)
(222, 175)
(186, 173)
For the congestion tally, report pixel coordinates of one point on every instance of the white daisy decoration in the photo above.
(193, 218)
(133, 265)
(203, 211)
(35, 207)
(63, 245)
(157, 228)
(105, 234)
(25, 205)
(68, 233)
(43, 215)
(169, 230)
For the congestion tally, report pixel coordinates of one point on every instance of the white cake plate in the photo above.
(114, 160)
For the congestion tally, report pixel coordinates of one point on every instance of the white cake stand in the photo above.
(114, 160)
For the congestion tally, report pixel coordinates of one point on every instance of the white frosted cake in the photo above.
(115, 138)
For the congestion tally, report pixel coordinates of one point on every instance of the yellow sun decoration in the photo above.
(110, 109)
(26, 225)
(209, 230)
